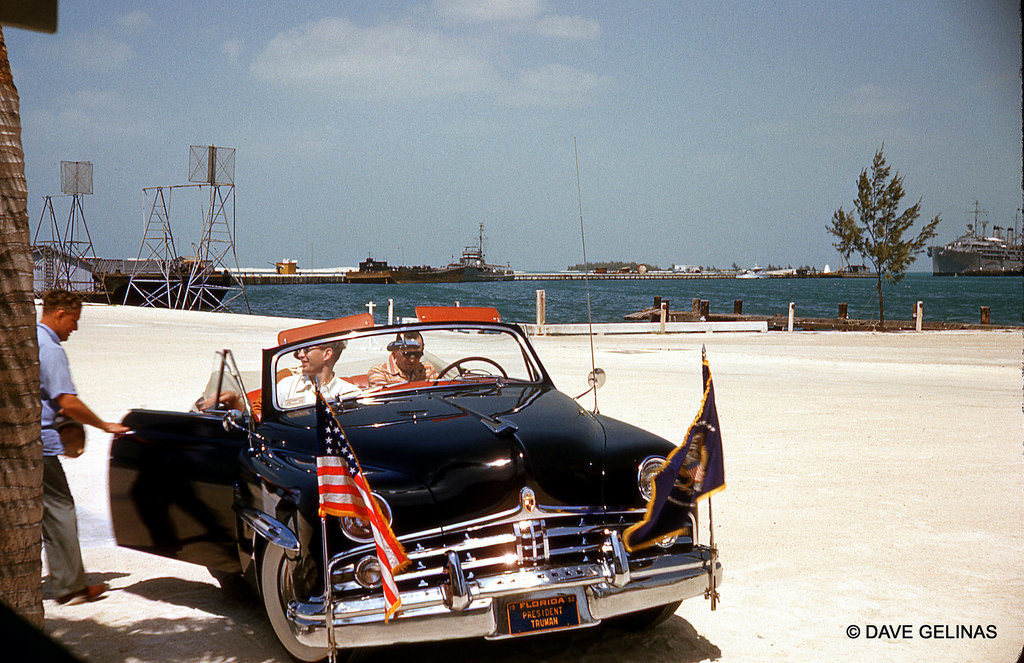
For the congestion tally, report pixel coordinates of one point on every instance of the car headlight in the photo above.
(645, 475)
(368, 572)
(358, 529)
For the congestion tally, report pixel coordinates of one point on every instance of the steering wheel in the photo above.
(457, 365)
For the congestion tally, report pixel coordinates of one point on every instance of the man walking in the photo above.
(61, 311)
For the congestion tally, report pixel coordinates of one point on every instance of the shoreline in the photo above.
(684, 323)
(872, 479)
(952, 301)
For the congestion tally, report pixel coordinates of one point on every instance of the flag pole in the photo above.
(712, 591)
(328, 604)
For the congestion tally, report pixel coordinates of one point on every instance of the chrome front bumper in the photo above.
(475, 608)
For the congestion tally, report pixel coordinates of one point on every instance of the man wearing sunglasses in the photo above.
(316, 363)
(404, 364)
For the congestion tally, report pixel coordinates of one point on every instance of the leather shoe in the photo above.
(89, 593)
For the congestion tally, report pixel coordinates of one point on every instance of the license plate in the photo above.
(542, 614)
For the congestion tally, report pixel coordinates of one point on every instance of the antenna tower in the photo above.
(67, 258)
(154, 280)
(203, 280)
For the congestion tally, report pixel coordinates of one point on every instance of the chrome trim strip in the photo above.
(457, 594)
(270, 529)
(513, 515)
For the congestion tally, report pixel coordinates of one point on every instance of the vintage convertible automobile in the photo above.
(509, 498)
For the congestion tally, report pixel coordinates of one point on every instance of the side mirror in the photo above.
(234, 420)
(596, 380)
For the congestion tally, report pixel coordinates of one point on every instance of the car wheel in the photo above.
(277, 589)
(644, 619)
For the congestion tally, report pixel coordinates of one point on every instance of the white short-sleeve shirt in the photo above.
(298, 390)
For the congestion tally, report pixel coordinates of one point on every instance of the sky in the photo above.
(701, 133)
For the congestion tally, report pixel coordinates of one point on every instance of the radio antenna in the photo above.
(586, 277)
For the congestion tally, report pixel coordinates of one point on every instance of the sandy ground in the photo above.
(874, 483)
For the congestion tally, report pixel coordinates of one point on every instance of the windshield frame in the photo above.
(538, 374)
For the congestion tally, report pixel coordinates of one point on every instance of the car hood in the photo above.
(473, 449)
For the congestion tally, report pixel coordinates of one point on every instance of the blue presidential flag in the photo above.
(693, 471)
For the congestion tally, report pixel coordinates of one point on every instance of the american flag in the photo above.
(344, 492)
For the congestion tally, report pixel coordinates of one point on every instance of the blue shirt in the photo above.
(54, 380)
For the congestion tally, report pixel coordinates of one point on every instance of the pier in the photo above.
(260, 277)
(270, 278)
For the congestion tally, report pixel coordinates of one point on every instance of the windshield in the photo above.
(226, 379)
(380, 362)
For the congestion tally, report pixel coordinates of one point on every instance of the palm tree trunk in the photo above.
(21, 449)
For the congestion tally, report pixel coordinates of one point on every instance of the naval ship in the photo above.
(981, 254)
(471, 267)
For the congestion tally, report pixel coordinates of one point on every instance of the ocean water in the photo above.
(953, 299)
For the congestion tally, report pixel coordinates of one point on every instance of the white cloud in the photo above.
(568, 27)
(135, 22)
(233, 49)
(555, 85)
(382, 60)
(93, 113)
(338, 58)
(98, 52)
(529, 16)
(94, 53)
(489, 11)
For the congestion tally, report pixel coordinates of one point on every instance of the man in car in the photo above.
(404, 364)
(317, 366)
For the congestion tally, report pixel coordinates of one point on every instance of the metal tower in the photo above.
(211, 284)
(203, 280)
(154, 280)
(67, 258)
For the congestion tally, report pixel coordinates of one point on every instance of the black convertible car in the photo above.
(509, 498)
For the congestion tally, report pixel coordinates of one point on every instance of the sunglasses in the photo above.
(412, 354)
(306, 351)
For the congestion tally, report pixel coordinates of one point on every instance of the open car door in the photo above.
(172, 478)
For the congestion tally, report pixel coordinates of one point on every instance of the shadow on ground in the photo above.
(233, 627)
(674, 641)
(91, 578)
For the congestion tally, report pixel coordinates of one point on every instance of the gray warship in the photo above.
(980, 254)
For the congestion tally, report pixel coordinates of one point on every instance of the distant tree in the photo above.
(876, 233)
(612, 266)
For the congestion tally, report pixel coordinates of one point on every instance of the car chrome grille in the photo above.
(520, 540)
(531, 542)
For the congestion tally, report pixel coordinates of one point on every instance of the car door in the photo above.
(172, 482)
